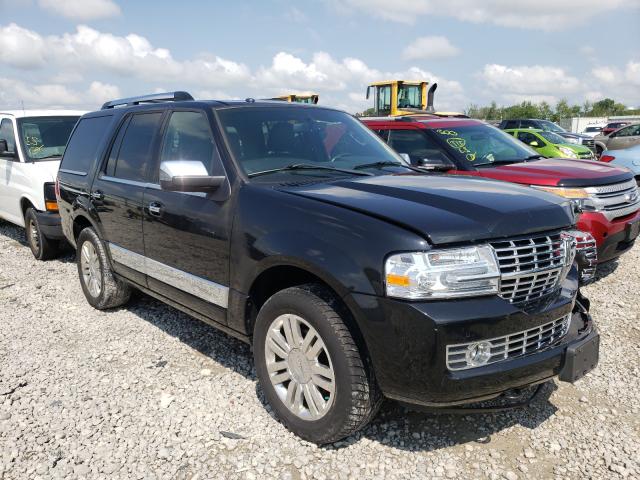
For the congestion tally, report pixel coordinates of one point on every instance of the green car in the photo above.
(551, 145)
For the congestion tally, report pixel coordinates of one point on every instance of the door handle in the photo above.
(155, 209)
(97, 195)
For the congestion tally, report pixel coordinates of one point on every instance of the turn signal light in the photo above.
(607, 158)
(51, 206)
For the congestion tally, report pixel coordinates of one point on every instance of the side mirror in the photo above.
(436, 164)
(534, 143)
(188, 176)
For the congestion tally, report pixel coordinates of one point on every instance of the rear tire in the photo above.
(318, 384)
(42, 247)
(101, 288)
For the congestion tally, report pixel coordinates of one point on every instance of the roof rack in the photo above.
(153, 98)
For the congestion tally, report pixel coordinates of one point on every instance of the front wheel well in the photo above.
(79, 224)
(25, 204)
(279, 278)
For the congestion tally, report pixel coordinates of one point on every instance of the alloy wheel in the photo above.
(300, 367)
(33, 235)
(90, 265)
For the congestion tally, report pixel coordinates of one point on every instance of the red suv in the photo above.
(606, 195)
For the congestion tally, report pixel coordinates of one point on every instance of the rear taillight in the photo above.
(607, 158)
(50, 201)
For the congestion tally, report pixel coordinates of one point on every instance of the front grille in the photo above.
(589, 142)
(617, 200)
(510, 346)
(530, 267)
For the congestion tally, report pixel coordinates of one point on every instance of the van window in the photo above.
(6, 133)
(84, 143)
(135, 151)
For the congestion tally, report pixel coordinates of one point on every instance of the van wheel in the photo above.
(99, 285)
(309, 366)
(41, 247)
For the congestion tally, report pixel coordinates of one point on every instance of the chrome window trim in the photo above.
(152, 186)
(73, 172)
(197, 286)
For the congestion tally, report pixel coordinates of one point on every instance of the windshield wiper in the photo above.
(387, 164)
(307, 166)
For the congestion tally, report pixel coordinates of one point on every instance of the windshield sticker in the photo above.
(34, 145)
(460, 144)
(447, 132)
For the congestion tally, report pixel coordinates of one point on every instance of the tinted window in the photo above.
(45, 137)
(188, 139)
(527, 124)
(629, 131)
(6, 133)
(511, 124)
(384, 100)
(135, 151)
(84, 142)
(527, 138)
(416, 144)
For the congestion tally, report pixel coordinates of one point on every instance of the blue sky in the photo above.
(78, 53)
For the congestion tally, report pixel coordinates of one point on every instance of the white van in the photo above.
(31, 145)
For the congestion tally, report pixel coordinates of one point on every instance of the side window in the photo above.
(527, 124)
(416, 144)
(629, 131)
(384, 100)
(511, 124)
(83, 145)
(527, 138)
(134, 154)
(7, 134)
(188, 140)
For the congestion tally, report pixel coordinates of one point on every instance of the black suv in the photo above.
(549, 126)
(295, 228)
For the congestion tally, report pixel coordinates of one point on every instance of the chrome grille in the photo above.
(589, 142)
(510, 346)
(530, 267)
(617, 200)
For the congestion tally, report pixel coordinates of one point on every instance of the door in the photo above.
(118, 190)
(186, 235)
(9, 174)
(624, 138)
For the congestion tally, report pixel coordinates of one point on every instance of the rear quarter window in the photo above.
(84, 143)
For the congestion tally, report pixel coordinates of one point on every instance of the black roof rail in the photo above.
(153, 98)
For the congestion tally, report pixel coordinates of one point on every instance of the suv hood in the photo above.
(554, 172)
(447, 209)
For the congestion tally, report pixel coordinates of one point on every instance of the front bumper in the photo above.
(407, 342)
(50, 225)
(613, 237)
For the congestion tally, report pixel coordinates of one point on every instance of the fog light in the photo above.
(478, 354)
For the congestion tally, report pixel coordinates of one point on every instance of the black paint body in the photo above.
(340, 232)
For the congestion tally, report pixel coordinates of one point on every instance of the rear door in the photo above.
(186, 235)
(624, 138)
(118, 190)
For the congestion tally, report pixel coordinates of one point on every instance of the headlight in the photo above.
(579, 196)
(573, 140)
(450, 273)
(567, 152)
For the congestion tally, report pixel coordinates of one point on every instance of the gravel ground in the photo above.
(147, 392)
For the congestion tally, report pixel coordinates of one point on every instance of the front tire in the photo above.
(101, 288)
(42, 247)
(309, 366)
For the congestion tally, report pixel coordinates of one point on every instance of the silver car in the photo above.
(629, 158)
(624, 137)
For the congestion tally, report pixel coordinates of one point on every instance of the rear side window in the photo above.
(84, 143)
(510, 124)
(527, 124)
(130, 159)
(6, 133)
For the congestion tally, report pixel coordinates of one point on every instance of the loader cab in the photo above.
(308, 98)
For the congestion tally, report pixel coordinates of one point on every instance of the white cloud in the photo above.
(82, 10)
(433, 47)
(529, 80)
(20, 47)
(15, 93)
(533, 14)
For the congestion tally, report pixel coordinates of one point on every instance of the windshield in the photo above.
(552, 137)
(272, 138)
(45, 137)
(593, 129)
(481, 144)
(548, 126)
(409, 96)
